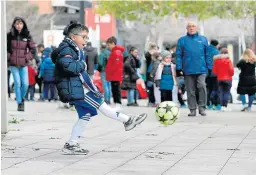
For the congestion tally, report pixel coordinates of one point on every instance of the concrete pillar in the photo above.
(3, 63)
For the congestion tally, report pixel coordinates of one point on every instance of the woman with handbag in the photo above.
(130, 78)
(20, 47)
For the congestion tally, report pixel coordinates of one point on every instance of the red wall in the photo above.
(107, 23)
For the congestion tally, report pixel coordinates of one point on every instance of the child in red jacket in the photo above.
(223, 69)
(114, 69)
(32, 81)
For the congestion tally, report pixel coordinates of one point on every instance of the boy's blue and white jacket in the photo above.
(70, 73)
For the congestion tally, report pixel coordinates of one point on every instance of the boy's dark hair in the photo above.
(214, 42)
(132, 49)
(75, 28)
(112, 39)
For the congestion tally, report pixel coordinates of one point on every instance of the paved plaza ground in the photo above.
(218, 144)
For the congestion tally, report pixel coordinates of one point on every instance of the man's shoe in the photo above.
(74, 149)
(202, 112)
(192, 113)
(134, 120)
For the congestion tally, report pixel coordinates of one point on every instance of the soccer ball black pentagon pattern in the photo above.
(167, 112)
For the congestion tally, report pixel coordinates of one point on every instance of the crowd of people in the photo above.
(67, 72)
(203, 71)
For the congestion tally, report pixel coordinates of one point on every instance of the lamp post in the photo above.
(81, 12)
(4, 128)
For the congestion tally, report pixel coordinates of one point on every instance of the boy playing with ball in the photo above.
(75, 86)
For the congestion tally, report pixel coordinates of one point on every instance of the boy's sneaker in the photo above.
(134, 120)
(225, 109)
(209, 107)
(74, 149)
(218, 107)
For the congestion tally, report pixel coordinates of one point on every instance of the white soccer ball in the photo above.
(167, 112)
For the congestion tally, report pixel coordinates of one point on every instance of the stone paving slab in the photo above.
(218, 144)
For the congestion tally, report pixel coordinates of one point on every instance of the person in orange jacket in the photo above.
(224, 70)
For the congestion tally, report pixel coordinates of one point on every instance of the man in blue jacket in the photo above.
(193, 61)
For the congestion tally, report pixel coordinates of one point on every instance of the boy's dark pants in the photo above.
(49, 86)
(116, 91)
(31, 92)
(212, 91)
(224, 89)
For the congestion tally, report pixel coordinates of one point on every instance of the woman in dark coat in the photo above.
(130, 75)
(247, 79)
(20, 48)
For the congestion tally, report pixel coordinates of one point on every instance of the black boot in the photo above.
(21, 106)
(202, 112)
(192, 113)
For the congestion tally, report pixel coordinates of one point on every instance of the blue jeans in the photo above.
(224, 90)
(243, 99)
(106, 87)
(20, 77)
(130, 96)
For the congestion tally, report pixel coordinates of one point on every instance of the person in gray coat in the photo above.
(91, 58)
